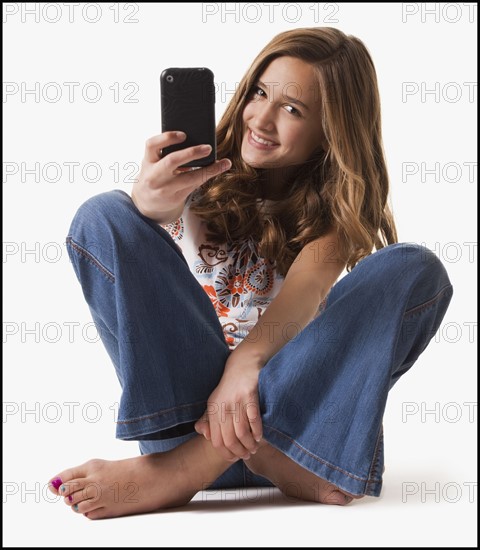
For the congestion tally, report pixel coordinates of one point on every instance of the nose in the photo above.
(264, 116)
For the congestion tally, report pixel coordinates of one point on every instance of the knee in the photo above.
(98, 213)
(415, 263)
(98, 227)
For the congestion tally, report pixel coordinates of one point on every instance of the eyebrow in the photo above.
(291, 99)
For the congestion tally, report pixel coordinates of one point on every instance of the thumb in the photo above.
(200, 424)
(202, 427)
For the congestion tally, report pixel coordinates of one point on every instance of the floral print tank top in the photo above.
(237, 280)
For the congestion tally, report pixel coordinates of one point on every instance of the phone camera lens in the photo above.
(170, 78)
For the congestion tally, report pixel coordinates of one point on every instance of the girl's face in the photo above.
(282, 124)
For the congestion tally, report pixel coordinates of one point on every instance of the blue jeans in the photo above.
(322, 396)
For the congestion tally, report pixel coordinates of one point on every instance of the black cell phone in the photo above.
(188, 104)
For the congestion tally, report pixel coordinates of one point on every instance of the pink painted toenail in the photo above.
(56, 482)
(70, 498)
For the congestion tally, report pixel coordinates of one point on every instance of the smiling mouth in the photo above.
(261, 141)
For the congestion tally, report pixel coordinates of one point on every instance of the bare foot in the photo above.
(105, 489)
(292, 479)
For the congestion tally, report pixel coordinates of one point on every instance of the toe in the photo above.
(79, 490)
(85, 507)
(337, 497)
(67, 475)
(99, 513)
(72, 487)
(54, 484)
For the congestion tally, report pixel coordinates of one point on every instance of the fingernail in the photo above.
(226, 164)
(258, 439)
(180, 134)
(63, 488)
(75, 507)
(70, 498)
(56, 482)
(205, 148)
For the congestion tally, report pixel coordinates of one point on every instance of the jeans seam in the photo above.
(373, 468)
(430, 302)
(318, 459)
(154, 415)
(90, 258)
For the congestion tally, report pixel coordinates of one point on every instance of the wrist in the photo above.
(246, 357)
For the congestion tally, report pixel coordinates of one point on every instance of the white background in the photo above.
(51, 352)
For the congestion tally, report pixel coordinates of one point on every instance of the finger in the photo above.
(196, 178)
(230, 439)
(202, 426)
(252, 411)
(184, 156)
(206, 433)
(245, 436)
(218, 443)
(181, 170)
(155, 144)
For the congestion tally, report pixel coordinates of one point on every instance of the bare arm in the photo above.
(162, 187)
(306, 284)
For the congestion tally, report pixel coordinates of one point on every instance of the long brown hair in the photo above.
(344, 187)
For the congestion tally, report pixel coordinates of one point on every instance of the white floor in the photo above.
(256, 518)
(429, 500)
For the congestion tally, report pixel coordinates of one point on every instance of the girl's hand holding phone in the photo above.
(161, 187)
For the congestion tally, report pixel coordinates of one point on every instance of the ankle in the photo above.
(258, 461)
(198, 464)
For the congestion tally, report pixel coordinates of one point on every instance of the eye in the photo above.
(256, 91)
(294, 112)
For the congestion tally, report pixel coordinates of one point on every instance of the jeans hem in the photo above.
(137, 428)
(346, 481)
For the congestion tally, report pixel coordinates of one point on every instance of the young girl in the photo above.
(241, 362)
